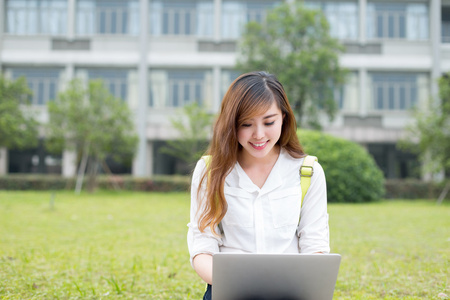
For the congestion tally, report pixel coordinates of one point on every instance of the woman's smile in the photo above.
(259, 146)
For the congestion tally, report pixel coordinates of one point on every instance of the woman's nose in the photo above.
(258, 133)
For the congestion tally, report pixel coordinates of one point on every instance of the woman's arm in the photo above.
(203, 266)
(201, 244)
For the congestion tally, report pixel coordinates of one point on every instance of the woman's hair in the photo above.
(250, 95)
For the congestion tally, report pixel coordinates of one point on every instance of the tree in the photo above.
(92, 122)
(429, 135)
(18, 129)
(294, 43)
(193, 125)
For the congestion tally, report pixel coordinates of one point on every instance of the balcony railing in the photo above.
(398, 21)
(176, 88)
(394, 96)
(26, 19)
(235, 16)
(181, 20)
(120, 18)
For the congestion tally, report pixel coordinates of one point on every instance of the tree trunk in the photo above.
(82, 169)
(93, 167)
(443, 193)
(108, 171)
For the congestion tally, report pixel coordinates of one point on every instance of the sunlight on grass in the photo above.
(133, 245)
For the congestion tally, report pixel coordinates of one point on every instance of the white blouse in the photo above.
(265, 220)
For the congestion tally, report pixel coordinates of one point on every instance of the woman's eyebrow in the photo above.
(270, 116)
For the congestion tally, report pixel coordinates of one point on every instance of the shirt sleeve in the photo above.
(200, 242)
(313, 230)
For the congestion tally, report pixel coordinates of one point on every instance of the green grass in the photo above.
(133, 246)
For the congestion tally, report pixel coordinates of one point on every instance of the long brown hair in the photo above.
(250, 95)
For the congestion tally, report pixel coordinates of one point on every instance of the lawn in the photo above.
(122, 245)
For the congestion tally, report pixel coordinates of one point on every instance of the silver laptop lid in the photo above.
(274, 276)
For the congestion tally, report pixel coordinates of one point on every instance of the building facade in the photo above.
(159, 55)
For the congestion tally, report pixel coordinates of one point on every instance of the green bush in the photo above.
(413, 189)
(129, 183)
(352, 174)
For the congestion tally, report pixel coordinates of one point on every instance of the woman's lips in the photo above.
(259, 146)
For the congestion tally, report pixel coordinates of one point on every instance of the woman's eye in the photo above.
(269, 124)
(246, 125)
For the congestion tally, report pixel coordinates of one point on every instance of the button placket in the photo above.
(259, 224)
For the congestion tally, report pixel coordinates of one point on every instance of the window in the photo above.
(194, 18)
(228, 76)
(342, 16)
(107, 17)
(394, 91)
(34, 17)
(397, 21)
(43, 83)
(115, 80)
(235, 14)
(445, 27)
(177, 88)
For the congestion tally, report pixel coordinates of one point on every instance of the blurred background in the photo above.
(158, 56)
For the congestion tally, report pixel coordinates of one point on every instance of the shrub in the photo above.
(413, 189)
(352, 174)
(55, 182)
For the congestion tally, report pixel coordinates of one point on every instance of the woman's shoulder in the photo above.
(297, 162)
(199, 170)
(289, 158)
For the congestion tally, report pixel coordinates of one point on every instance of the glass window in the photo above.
(397, 21)
(43, 83)
(445, 26)
(235, 14)
(107, 17)
(394, 91)
(228, 76)
(115, 80)
(34, 17)
(182, 18)
(177, 88)
(342, 16)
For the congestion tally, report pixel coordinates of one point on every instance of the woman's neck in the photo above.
(258, 169)
(248, 161)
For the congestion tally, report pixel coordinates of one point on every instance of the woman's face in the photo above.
(259, 135)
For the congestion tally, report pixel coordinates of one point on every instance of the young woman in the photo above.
(246, 194)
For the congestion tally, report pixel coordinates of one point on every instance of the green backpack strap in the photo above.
(306, 172)
(207, 159)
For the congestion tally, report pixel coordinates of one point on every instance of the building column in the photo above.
(69, 163)
(2, 29)
(71, 13)
(363, 92)
(435, 39)
(362, 21)
(3, 161)
(217, 76)
(217, 20)
(69, 157)
(70, 75)
(435, 43)
(140, 168)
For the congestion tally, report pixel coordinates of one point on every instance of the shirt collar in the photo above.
(274, 180)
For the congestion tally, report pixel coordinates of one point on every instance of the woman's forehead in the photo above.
(264, 112)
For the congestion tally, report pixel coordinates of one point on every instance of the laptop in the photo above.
(274, 276)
